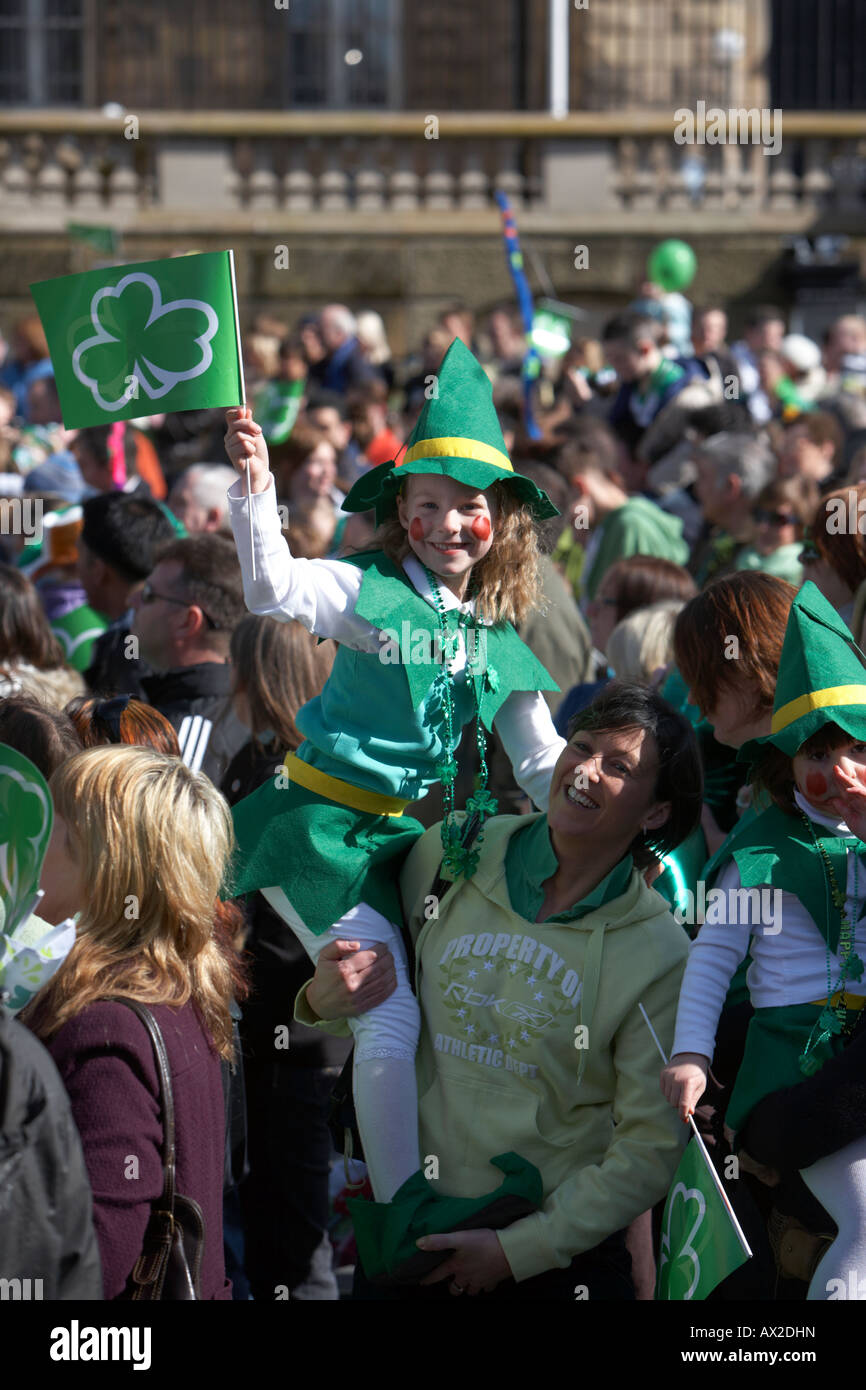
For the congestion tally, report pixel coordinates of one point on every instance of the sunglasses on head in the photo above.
(108, 712)
(770, 518)
(149, 595)
(809, 554)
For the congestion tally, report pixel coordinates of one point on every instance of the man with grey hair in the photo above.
(732, 469)
(344, 368)
(198, 497)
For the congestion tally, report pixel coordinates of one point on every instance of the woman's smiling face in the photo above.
(449, 525)
(605, 782)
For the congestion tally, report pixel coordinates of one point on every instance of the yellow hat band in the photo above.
(817, 699)
(335, 789)
(455, 447)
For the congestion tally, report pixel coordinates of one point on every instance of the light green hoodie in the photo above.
(638, 527)
(504, 1066)
(500, 1065)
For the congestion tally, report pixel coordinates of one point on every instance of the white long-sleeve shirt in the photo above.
(321, 595)
(789, 954)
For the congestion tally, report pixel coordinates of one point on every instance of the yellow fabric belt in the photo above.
(851, 1001)
(344, 792)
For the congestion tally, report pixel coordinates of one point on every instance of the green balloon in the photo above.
(672, 265)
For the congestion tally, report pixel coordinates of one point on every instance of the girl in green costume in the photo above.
(426, 644)
(795, 887)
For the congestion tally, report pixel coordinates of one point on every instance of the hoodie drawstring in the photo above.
(589, 993)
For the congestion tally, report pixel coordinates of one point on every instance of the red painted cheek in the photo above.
(816, 784)
(481, 528)
(416, 529)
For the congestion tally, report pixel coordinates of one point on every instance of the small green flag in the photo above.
(101, 238)
(26, 818)
(31, 949)
(276, 409)
(129, 340)
(699, 1243)
(78, 632)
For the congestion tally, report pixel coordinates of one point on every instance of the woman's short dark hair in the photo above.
(627, 705)
(46, 736)
(751, 606)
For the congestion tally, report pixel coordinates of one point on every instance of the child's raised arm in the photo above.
(320, 594)
(245, 441)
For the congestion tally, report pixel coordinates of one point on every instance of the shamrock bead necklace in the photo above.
(834, 1017)
(457, 857)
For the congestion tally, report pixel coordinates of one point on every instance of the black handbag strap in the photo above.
(163, 1073)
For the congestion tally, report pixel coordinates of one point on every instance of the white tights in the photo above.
(839, 1183)
(386, 1039)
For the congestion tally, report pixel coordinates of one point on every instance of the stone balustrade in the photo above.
(621, 169)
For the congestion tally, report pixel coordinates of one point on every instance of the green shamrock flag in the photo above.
(700, 1245)
(31, 950)
(130, 340)
(26, 817)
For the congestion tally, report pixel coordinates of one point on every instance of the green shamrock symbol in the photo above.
(26, 817)
(685, 1263)
(142, 342)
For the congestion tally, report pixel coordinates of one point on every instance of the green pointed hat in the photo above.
(457, 436)
(822, 676)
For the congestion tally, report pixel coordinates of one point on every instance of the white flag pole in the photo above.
(243, 403)
(747, 1249)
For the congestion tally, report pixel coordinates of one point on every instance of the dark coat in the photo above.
(46, 1208)
(105, 1058)
(279, 964)
(111, 671)
(196, 700)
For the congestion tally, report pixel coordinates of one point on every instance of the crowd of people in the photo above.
(392, 725)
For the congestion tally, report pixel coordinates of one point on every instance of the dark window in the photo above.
(41, 52)
(817, 58)
(341, 53)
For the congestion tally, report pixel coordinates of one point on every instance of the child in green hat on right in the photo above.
(795, 894)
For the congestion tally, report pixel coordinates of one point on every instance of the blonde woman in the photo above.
(641, 646)
(139, 848)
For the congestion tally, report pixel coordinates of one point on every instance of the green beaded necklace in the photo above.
(457, 855)
(833, 1019)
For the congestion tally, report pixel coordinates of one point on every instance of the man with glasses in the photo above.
(184, 616)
